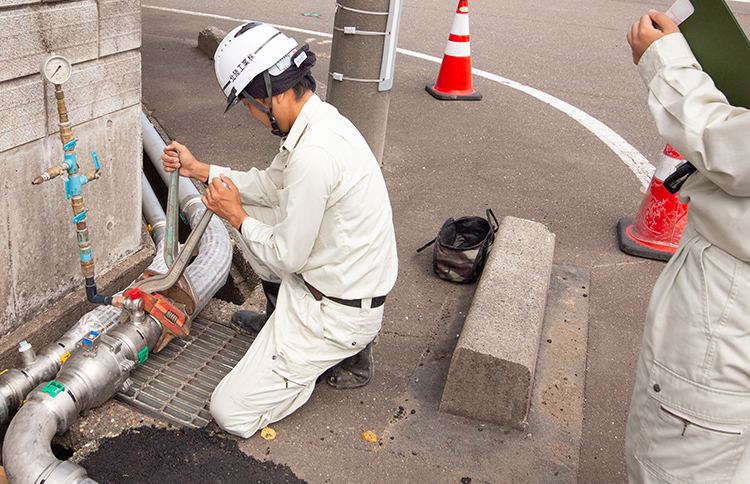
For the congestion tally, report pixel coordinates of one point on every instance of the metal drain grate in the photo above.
(176, 383)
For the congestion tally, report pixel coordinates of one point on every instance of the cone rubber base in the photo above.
(475, 96)
(632, 246)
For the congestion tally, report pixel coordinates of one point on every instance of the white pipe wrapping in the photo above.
(152, 211)
(209, 271)
(154, 146)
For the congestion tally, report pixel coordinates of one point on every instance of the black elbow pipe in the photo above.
(93, 296)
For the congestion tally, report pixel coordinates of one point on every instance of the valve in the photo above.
(163, 310)
(56, 70)
(50, 173)
(27, 352)
(90, 338)
(70, 144)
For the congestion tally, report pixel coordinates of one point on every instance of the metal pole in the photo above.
(365, 35)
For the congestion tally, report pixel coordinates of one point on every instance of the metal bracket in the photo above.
(337, 76)
(354, 31)
(387, 66)
(391, 44)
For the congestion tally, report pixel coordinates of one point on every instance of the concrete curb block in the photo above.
(492, 370)
(209, 40)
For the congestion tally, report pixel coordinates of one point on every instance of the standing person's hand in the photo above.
(223, 198)
(647, 30)
(177, 157)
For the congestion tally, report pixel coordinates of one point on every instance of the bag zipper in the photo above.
(703, 424)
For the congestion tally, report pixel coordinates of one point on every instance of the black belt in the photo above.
(354, 303)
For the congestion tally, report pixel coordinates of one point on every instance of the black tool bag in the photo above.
(462, 247)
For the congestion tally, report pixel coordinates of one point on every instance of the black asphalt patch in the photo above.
(185, 456)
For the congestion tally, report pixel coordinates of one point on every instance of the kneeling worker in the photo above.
(316, 226)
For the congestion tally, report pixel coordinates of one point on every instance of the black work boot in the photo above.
(353, 372)
(250, 323)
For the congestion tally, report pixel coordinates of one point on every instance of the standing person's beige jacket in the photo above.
(689, 419)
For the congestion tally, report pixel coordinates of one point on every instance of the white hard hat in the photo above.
(247, 51)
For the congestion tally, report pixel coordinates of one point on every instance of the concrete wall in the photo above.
(39, 262)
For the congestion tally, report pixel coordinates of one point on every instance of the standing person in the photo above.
(689, 418)
(316, 226)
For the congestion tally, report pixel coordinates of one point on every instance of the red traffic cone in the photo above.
(661, 218)
(454, 79)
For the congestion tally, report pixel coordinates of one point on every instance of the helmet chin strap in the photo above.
(267, 110)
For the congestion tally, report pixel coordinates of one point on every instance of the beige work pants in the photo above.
(689, 419)
(302, 338)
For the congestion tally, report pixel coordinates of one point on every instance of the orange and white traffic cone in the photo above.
(656, 230)
(454, 79)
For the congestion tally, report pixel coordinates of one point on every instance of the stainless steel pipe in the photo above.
(97, 370)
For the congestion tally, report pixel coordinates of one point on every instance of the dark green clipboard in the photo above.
(721, 47)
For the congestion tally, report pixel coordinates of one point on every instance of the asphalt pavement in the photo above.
(516, 152)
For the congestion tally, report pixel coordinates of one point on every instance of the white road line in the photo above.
(632, 158)
(637, 163)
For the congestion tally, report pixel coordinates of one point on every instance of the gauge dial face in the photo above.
(56, 69)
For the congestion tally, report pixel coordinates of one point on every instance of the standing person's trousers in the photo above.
(689, 419)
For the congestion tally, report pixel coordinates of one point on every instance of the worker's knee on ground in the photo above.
(231, 420)
(219, 411)
(244, 430)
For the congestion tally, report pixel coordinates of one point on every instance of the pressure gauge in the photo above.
(56, 69)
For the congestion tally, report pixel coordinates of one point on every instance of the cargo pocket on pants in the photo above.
(693, 434)
(349, 328)
(294, 370)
